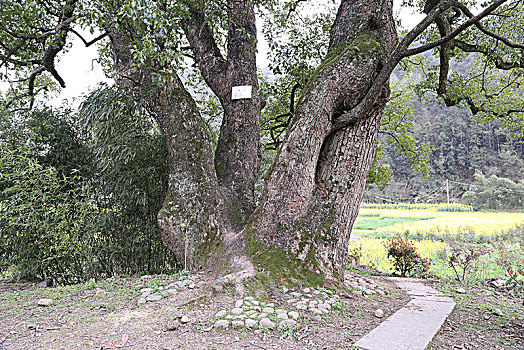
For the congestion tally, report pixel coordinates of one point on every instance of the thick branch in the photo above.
(472, 21)
(207, 54)
(402, 51)
(483, 29)
(88, 43)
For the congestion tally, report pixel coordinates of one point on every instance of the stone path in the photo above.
(413, 326)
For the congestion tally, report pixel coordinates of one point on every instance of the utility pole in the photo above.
(447, 190)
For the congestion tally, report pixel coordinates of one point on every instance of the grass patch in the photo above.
(377, 221)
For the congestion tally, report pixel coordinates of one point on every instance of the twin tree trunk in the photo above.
(313, 192)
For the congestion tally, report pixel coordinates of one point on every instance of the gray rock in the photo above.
(237, 310)
(184, 319)
(250, 323)
(255, 302)
(379, 313)
(262, 315)
(282, 316)
(222, 324)
(43, 284)
(239, 303)
(301, 306)
(498, 312)
(267, 323)
(146, 277)
(239, 317)
(270, 304)
(357, 293)
(498, 283)
(268, 310)
(293, 314)
(145, 290)
(287, 323)
(45, 302)
(307, 290)
(221, 313)
(296, 294)
(285, 290)
(237, 323)
(380, 292)
(142, 301)
(316, 311)
(173, 326)
(461, 290)
(249, 298)
(191, 286)
(154, 297)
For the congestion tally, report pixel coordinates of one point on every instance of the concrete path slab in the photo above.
(413, 326)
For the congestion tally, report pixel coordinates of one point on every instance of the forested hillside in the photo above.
(462, 147)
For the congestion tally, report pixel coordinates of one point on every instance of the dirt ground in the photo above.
(102, 314)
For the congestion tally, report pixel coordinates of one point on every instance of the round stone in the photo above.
(222, 324)
(221, 313)
(293, 314)
(154, 297)
(267, 323)
(316, 311)
(379, 313)
(301, 306)
(287, 323)
(268, 310)
(250, 323)
(237, 323)
(239, 303)
(282, 316)
(237, 310)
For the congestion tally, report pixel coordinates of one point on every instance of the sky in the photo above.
(82, 72)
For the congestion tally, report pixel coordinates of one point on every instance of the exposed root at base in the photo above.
(245, 270)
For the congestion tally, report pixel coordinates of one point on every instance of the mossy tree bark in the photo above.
(316, 185)
(192, 217)
(237, 157)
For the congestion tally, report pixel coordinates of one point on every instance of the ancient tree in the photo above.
(312, 193)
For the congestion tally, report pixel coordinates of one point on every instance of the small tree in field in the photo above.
(406, 260)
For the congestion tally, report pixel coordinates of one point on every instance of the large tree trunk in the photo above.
(316, 185)
(237, 157)
(192, 218)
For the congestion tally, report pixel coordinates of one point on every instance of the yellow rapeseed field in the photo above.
(441, 221)
(373, 253)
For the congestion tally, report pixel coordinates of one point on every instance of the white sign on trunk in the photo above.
(241, 92)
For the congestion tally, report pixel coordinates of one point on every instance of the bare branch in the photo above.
(206, 51)
(499, 62)
(473, 20)
(88, 43)
(483, 29)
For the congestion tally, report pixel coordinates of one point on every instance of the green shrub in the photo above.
(405, 258)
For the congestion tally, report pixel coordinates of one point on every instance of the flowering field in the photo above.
(372, 252)
(431, 219)
(436, 229)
